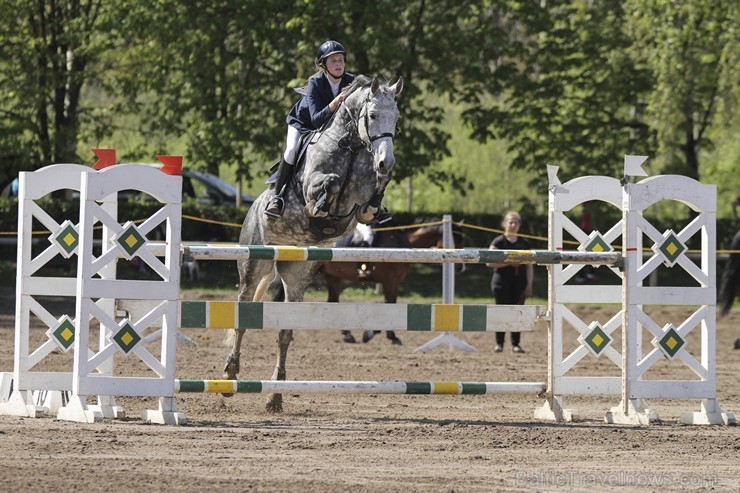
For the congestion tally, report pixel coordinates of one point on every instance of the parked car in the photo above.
(196, 185)
(210, 189)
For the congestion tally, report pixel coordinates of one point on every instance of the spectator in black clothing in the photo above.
(512, 282)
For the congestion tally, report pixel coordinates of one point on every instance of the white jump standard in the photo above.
(126, 309)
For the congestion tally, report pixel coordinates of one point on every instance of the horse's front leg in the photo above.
(231, 370)
(232, 361)
(368, 213)
(321, 193)
(275, 401)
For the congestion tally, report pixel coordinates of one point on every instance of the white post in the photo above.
(448, 270)
(448, 295)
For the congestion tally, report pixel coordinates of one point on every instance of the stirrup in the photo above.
(275, 207)
(382, 217)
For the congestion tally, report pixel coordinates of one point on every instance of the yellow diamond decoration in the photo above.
(671, 342)
(595, 243)
(66, 239)
(671, 248)
(595, 340)
(127, 338)
(63, 333)
(131, 241)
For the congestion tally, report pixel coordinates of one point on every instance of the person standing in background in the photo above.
(512, 282)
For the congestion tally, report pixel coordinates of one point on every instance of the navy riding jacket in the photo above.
(312, 110)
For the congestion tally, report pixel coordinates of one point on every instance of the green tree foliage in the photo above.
(577, 83)
(691, 51)
(48, 51)
(564, 88)
(213, 71)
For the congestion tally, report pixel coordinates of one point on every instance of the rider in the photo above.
(322, 98)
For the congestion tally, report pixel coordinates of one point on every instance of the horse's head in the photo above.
(376, 122)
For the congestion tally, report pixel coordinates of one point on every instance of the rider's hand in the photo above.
(336, 102)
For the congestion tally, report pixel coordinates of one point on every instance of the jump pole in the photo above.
(357, 387)
(398, 255)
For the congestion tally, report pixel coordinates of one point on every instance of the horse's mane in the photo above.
(360, 82)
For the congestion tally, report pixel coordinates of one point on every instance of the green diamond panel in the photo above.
(671, 343)
(130, 240)
(597, 245)
(597, 339)
(64, 334)
(68, 239)
(672, 248)
(126, 338)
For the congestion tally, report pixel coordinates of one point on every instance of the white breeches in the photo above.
(291, 144)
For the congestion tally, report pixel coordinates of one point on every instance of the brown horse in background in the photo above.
(388, 274)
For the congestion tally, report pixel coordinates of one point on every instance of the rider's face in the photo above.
(335, 65)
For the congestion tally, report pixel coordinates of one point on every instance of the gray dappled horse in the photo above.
(347, 164)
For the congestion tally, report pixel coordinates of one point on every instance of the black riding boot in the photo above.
(276, 206)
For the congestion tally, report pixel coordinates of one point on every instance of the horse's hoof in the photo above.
(367, 335)
(394, 339)
(349, 338)
(366, 216)
(274, 404)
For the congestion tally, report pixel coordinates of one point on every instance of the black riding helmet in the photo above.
(329, 48)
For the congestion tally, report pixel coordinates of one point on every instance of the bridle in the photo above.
(366, 120)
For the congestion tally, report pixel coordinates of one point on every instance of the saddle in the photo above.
(303, 143)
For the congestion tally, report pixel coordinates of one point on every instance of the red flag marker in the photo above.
(106, 157)
(172, 165)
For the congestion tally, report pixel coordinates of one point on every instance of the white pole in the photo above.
(448, 270)
(448, 296)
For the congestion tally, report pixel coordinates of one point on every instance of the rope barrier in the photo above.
(384, 228)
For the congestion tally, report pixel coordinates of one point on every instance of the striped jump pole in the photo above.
(404, 255)
(357, 387)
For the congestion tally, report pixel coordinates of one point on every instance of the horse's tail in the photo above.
(730, 279)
